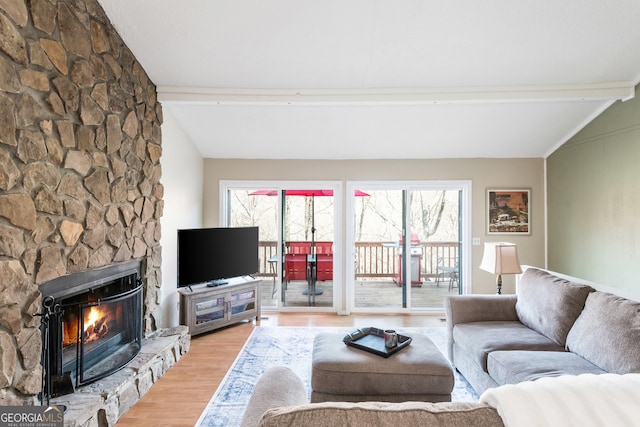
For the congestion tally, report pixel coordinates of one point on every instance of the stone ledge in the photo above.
(102, 403)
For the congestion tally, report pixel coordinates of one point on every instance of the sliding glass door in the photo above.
(407, 245)
(246, 207)
(297, 239)
(308, 236)
(403, 247)
(378, 279)
(435, 249)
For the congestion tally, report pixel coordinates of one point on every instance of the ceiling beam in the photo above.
(602, 91)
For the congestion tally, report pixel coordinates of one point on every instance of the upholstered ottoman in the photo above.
(418, 372)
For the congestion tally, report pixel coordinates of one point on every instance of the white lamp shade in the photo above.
(500, 258)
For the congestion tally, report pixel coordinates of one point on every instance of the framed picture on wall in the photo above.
(508, 211)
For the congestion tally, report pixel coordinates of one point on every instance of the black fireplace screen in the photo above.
(92, 333)
(102, 334)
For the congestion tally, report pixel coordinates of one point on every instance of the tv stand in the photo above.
(208, 308)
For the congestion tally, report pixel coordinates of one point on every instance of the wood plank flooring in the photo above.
(181, 395)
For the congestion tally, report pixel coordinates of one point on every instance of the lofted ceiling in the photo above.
(371, 79)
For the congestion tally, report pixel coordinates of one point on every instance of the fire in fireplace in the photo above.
(92, 326)
(95, 327)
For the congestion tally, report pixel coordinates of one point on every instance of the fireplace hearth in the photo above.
(92, 326)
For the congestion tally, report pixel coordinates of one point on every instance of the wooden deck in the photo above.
(374, 260)
(368, 294)
(377, 264)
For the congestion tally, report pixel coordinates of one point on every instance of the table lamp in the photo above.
(500, 258)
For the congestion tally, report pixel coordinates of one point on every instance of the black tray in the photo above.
(372, 340)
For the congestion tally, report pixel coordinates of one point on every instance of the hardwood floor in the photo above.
(181, 395)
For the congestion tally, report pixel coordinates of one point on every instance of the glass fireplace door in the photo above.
(102, 335)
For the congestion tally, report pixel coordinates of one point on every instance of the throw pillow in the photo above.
(607, 333)
(548, 304)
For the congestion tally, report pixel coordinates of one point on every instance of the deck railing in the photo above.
(380, 260)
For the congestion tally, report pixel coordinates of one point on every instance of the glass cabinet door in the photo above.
(242, 301)
(210, 310)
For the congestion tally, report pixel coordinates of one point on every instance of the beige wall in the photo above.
(484, 173)
(594, 201)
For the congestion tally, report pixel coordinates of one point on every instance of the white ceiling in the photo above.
(352, 79)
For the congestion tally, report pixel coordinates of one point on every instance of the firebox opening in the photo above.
(93, 328)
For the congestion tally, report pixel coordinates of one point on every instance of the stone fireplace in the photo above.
(80, 190)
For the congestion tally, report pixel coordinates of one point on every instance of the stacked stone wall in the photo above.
(80, 147)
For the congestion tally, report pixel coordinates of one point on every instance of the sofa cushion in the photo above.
(512, 367)
(607, 333)
(481, 338)
(383, 414)
(549, 304)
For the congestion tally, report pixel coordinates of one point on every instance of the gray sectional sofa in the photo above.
(552, 327)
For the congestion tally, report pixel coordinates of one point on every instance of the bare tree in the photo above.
(431, 214)
(430, 210)
(361, 217)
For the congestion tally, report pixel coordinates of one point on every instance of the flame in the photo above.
(92, 319)
(95, 325)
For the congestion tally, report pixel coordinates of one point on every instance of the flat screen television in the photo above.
(213, 255)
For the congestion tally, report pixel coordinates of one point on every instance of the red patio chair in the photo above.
(324, 266)
(295, 267)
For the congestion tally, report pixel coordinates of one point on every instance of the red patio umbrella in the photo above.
(311, 279)
(301, 193)
(306, 193)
